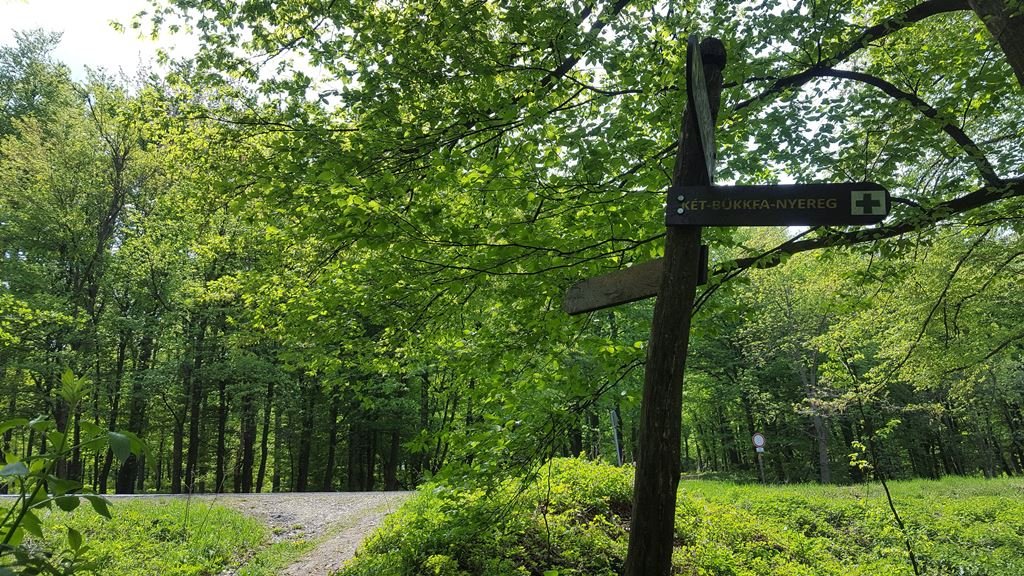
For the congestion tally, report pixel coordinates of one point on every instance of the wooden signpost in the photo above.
(693, 202)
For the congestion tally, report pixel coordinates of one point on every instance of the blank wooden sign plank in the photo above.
(619, 287)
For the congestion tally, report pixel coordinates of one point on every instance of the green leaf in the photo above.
(14, 469)
(32, 524)
(67, 503)
(74, 539)
(56, 440)
(99, 504)
(90, 428)
(61, 486)
(41, 424)
(12, 423)
(120, 445)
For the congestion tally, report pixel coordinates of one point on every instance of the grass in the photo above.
(575, 521)
(965, 526)
(153, 538)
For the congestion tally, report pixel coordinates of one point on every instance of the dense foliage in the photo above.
(571, 520)
(328, 253)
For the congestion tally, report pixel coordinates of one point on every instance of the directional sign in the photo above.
(845, 204)
(698, 93)
(619, 287)
(623, 286)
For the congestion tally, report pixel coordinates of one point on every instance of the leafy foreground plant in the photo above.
(37, 488)
(572, 520)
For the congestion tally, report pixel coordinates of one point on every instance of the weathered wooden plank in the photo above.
(697, 91)
(620, 287)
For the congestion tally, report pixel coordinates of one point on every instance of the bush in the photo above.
(572, 520)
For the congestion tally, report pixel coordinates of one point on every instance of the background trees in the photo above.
(330, 252)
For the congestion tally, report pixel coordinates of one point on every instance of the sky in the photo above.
(88, 39)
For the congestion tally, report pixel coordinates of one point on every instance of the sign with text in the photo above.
(846, 204)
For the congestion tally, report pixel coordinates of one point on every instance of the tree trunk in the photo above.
(275, 479)
(391, 464)
(419, 457)
(332, 442)
(657, 472)
(620, 456)
(821, 435)
(194, 384)
(371, 461)
(575, 441)
(115, 401)
(305, 440)
(265, 437)
(176, 453)
(248, 442)
(222, 425)
(846, 427)
(1005, 20)
(593, 434)
(130, 468)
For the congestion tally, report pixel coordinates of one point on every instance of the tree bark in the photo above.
(332, 442)
(305, 440)
(371, 460)
(130, 469)
(354, 468)
(657, 472)
(248, 442)
(391, 465)
(195, 397)
(1006, 23)
(177, 449)
(275, 479)
(268, 406)
(115, 403)
(222, 426)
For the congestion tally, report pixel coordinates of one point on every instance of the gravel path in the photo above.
(342, 519)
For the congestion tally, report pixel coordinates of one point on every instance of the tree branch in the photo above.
(985, 195)
(888, 26)
(988, 173)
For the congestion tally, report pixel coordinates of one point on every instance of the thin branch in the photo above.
(888, 26)
(927, 217)
(988, 173)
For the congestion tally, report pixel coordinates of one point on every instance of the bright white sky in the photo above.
(88, 39)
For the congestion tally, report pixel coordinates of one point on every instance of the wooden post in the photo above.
(657, 472)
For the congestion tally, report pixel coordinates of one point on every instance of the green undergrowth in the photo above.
(154, 537)
(272, 559)
(574, 522)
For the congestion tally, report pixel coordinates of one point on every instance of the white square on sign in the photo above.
(867, 202)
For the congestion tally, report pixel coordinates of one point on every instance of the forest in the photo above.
(329, 251)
